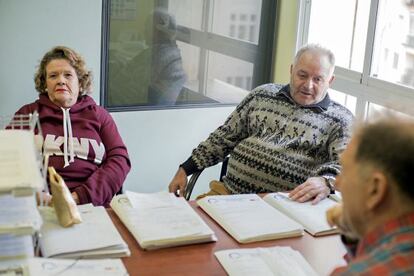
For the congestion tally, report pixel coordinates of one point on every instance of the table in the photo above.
(323, 253)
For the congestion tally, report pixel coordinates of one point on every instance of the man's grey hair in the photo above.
(315, 48)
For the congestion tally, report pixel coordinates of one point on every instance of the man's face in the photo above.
(350, 182)
(310, 78)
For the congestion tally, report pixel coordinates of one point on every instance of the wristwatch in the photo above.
(330, 183)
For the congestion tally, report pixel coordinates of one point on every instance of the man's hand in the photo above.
(313, 188)
(179, 182)
(335, 217)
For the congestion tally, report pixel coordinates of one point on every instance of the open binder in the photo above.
(161, 220)
(247, 218)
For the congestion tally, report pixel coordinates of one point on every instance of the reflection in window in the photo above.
(232, 30)
(218, 86)
(241, 13)
(252, 34)
(161, 56)
(242, 32)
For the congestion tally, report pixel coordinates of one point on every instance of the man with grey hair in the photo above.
(280, 138)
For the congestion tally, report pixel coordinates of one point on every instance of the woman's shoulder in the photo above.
(28, 108)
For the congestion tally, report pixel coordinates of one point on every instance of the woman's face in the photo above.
(62, 83)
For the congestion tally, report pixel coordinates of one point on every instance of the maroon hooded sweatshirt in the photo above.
(84, 146)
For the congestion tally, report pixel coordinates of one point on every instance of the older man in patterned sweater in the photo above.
(280, 138)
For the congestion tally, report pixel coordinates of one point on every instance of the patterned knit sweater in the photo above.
(274, 143)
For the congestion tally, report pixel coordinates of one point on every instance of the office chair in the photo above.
(193, 179)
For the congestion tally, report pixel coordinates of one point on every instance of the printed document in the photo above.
(247, 218)
(271, 261)
(161, 219)
(52, 267)
(311, 216)
(95, 237)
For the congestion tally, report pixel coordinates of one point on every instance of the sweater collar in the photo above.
(320, 106)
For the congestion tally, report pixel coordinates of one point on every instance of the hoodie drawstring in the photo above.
(67, 129)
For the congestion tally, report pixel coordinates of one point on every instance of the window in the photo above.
(184, 53)
(232, 30)
(374, 48)
(242, 32)
(376, 111)
(395, 61)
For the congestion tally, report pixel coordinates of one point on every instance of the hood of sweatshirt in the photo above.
(49, 108)
(82, 103)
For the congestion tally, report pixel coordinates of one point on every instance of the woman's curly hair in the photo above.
(74, 59)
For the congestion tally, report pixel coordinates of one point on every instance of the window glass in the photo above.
(228, 79)
(342, 27)
(393, 58)
(344, 99)
(168, 53)
(192, 9)
(376, 111)
(243, 14)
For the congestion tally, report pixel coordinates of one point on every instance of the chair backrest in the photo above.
(193, 179)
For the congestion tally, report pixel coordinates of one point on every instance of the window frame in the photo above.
(362, 85)
(262, 53)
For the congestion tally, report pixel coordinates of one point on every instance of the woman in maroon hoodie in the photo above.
(80, 137)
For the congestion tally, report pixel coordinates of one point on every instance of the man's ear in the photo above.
(331, 80)
(377, 187)
(291, 69)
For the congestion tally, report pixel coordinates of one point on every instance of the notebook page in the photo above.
(52, 267)
(248, 218)
(312, 217)
(272, 261)
(94, 233)
(160, 219)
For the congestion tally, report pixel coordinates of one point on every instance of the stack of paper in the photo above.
(15, 246)
(20, 177)
(19, 167)
(19, 220)
(247, 218)
(19, 215)
(49, 267)
(312, 217)
(283, 261)
(95, 237)
(161, 220)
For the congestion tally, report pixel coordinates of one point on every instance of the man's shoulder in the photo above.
(28, 108)
(339, 111)
(268, 90)
(271, 88)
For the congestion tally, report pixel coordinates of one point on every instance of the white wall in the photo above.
(157, 141)
(28, 29)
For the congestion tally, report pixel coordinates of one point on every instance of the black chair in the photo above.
(193, 179)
